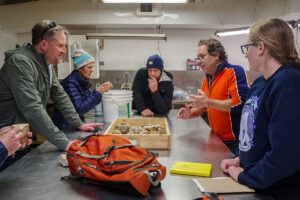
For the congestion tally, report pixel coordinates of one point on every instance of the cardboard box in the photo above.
(221, 185)
(147, 141)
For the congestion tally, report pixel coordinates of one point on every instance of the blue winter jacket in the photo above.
(3, 150)
(82, 97)
(3, 153)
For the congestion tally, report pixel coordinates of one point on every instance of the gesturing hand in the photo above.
(104, 87)
(184, 113)
(198, 101)
(89, 126)
(153, 84)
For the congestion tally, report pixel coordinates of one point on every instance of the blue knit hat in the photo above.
(81, 58)
(155, 61)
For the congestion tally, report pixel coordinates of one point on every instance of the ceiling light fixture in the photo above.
(236, 31)
(245, 30)
(126, 36)
(145, 1)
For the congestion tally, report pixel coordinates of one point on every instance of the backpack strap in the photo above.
(72, 177)
(150, 179)
(112, 147)
(106, 152)
(124, 145)
(85, 139)
(78, 170)
(90, 156)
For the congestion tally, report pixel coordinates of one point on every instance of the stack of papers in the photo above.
(190, 168)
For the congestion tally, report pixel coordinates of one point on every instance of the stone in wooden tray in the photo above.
(145, 138)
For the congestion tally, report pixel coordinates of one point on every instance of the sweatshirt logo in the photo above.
(247, 124)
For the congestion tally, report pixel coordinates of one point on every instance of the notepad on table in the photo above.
(221, 185)
(190, 168)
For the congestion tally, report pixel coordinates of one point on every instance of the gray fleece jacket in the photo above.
(25, 88)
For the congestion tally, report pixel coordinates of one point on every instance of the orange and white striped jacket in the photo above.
(229, 82)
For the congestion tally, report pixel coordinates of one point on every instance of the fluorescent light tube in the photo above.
(145, 1)
(232, 32)
(126, 36)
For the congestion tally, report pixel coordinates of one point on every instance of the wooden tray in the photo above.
(147, 141)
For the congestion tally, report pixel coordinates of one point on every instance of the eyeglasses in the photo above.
(201, 57)
(50, 26)
(198, 61)
(244, 48)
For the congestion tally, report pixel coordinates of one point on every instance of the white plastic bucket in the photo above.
(116, 103)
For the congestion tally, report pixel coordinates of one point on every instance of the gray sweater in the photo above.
(25, 88)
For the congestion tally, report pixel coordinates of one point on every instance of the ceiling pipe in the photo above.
(126, 36)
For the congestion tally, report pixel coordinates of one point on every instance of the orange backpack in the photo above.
(114, 159)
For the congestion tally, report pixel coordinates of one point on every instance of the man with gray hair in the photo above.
(27, 81)
(222, 95)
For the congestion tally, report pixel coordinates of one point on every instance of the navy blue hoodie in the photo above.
(269, 140)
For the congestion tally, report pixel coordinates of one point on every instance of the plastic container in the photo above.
(98, 107)
(98, 110)
(116, 103)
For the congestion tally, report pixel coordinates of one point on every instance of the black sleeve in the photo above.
(163, 98)
(138, 89)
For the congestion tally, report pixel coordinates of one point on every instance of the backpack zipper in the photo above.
(94, 167)
(77, 164)
(119, 162)
(140, 169)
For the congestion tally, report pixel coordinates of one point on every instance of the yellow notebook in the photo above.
(190, 168)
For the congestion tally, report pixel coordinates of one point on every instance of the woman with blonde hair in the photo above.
(269, 140)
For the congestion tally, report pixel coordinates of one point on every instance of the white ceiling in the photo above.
(202, 14)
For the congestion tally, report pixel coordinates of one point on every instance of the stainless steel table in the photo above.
(37, 175)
